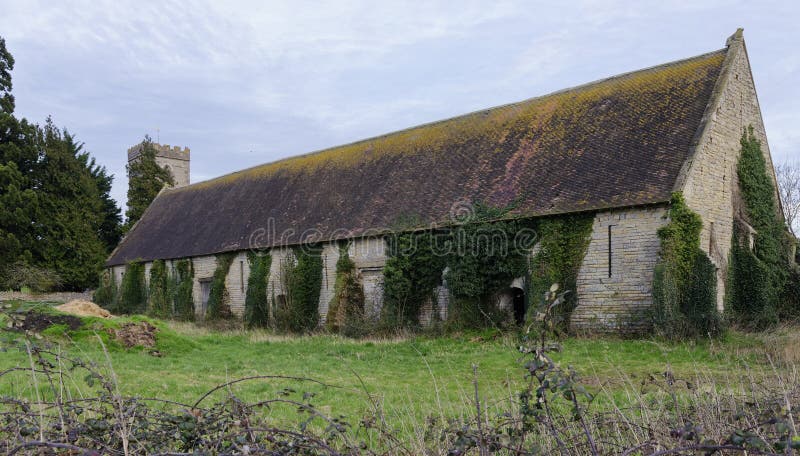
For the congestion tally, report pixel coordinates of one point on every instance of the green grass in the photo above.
(411, 378)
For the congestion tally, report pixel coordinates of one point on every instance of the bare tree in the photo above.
(789, 187)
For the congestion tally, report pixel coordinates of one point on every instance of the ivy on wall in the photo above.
(106, 293)
(411, 273)
(684, 280)
(218, 306)
(488, 254)
(256, 307)
(133, 291)
(757, 293)
(562, 245)
(346, 309)
(159, 302)
(181, 285)
(302, 282)
(478, 257)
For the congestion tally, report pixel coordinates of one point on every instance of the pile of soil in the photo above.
(84, 309)
(37, 322)
(136, 334)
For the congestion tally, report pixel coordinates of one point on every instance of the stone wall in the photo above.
(236, 283)
(617, 301)
(709, 180)
(330, 255)
(369, 256)
(204, 267)
(45, 297)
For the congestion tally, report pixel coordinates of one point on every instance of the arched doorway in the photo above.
(519, 304)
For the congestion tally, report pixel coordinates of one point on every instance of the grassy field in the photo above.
(411, 378)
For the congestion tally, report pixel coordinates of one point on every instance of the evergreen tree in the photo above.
(145, 179)
(56, 215)
(110, 228)
(6, 65)
(18, 159)
(68, 240)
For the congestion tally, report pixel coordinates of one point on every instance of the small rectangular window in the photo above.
(241, 275)
(609, 250)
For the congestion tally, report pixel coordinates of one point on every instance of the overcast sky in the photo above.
(244, 83)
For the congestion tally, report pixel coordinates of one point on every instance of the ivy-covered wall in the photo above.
(159, 302)
(182, 284)
(561, 248)
(685, 279)
(132, 290)
(760, 263)
(346, 308)
(296, 308)
(218, 301)
(256, 308)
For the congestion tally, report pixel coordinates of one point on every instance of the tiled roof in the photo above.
(613, 143)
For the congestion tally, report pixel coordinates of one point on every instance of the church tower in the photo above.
(173, 159)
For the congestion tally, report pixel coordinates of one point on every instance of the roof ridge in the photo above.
(460, 116)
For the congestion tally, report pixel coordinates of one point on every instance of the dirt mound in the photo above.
(37, 321)
(84, 309)
(133, 334)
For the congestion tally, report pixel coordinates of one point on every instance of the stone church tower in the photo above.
(173, 159)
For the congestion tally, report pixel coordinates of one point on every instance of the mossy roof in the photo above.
(617, 142)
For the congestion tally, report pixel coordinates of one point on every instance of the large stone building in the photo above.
(617, 148)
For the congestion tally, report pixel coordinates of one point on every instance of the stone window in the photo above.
(609, 251)
(241, 275)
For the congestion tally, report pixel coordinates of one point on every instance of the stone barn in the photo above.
(616, 149)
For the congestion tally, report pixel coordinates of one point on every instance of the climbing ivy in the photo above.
(106, 293)
(132, 291)
(159, 304)
(218, 307)
(412, 271)
(302, 282)
(181, 284)
(562, 244)
(346, 309)
(487, 254)
(256, 307)
(684, 280)
(757, 293)
(478, 256)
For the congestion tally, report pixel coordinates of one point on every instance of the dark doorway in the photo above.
(519, 305)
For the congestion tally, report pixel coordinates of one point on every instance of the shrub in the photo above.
(218, 306)
(21, 275)
(684, 280)
(159, 304)
(182, 283)
(106, 292)
(256, 309)
(346, 309)
(132, 292)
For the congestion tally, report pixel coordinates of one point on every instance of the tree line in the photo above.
(58, 221)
